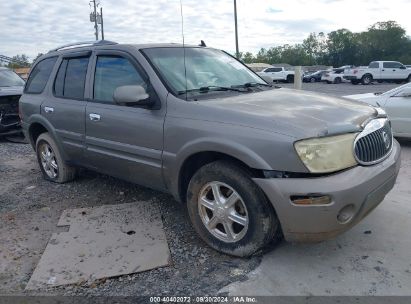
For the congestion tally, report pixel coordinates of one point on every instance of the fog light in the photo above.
(311, 200)
(346, 214)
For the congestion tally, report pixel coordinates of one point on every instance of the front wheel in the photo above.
(51, 162)
(312, 80)
(409, 78)
(229, 211)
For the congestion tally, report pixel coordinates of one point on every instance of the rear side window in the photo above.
(113, 72)
(374, 65)
(71, 78)
(39, 76)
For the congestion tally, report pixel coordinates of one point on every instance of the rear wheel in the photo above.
(229, 211)
(51, 163)
(290, 78)
(409, 78)
(366, 79)
(312, 80)
(337, 80)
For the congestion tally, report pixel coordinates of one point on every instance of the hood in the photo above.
(300, 114)
(8, 91)
(368, 98)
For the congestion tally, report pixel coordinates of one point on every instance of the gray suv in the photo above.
(252, 162)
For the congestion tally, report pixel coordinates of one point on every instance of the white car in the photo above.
(397, 104)
(277, 74)
(334, 76)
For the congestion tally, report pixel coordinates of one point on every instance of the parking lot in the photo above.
(371, 259)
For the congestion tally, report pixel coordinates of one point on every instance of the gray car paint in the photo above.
(150, 146)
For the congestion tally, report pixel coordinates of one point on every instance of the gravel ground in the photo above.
(29, 211)
(30, 208)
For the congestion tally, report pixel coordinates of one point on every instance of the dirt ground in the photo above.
(29, 211)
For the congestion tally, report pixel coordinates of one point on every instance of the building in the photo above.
(22, 72)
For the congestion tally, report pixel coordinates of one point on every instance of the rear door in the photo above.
(66, 109)
(123, 141)
(377, 71)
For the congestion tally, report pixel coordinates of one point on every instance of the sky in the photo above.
(35, 26)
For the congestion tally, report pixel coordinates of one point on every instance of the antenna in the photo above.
(184, 48)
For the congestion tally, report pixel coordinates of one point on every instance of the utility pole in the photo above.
(93, 17)
(102, 23)
(237, 52)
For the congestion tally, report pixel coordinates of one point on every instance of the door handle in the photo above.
(94, 117)
(48, 109)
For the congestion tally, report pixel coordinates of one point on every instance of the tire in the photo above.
(409, 78)
(51, 163)
(312, 80)
(262, 225)
(366, 79)
(337, 80)
(290, 78)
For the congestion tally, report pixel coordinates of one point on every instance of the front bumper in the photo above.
(9, 124)
(362, 187)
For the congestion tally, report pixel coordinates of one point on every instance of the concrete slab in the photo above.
(103, 242)
(374, 258)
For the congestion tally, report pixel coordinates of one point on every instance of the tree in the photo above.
(19, 61)
(382, 41)
(246, 57)
(34, 60)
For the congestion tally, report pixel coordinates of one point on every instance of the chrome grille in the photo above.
(374, 143)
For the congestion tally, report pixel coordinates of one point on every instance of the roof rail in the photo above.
(82, 44)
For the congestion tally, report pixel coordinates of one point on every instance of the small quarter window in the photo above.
(39, 76)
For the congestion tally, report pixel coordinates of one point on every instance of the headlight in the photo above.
(327, 154)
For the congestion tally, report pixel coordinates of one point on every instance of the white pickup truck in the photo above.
(277, 74)
(379, 71)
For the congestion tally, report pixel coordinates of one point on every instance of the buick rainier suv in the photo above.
(252, 162)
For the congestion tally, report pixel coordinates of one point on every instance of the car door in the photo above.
(398, 108)
(66, 108)
(377, 70)
(277, 73)
(123, 141)
(401, 71)
(390, 70)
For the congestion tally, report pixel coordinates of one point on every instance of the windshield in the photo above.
(10, 79)
(203, 68)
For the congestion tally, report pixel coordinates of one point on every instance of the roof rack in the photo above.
(82, 44)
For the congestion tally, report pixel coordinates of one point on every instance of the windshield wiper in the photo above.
(252, 84)
(210, 88)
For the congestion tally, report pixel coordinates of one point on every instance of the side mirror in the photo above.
(403, 67)
(131, 95)
(405, 93)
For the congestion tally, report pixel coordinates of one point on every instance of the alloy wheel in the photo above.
(223, 212)
(48, 160)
